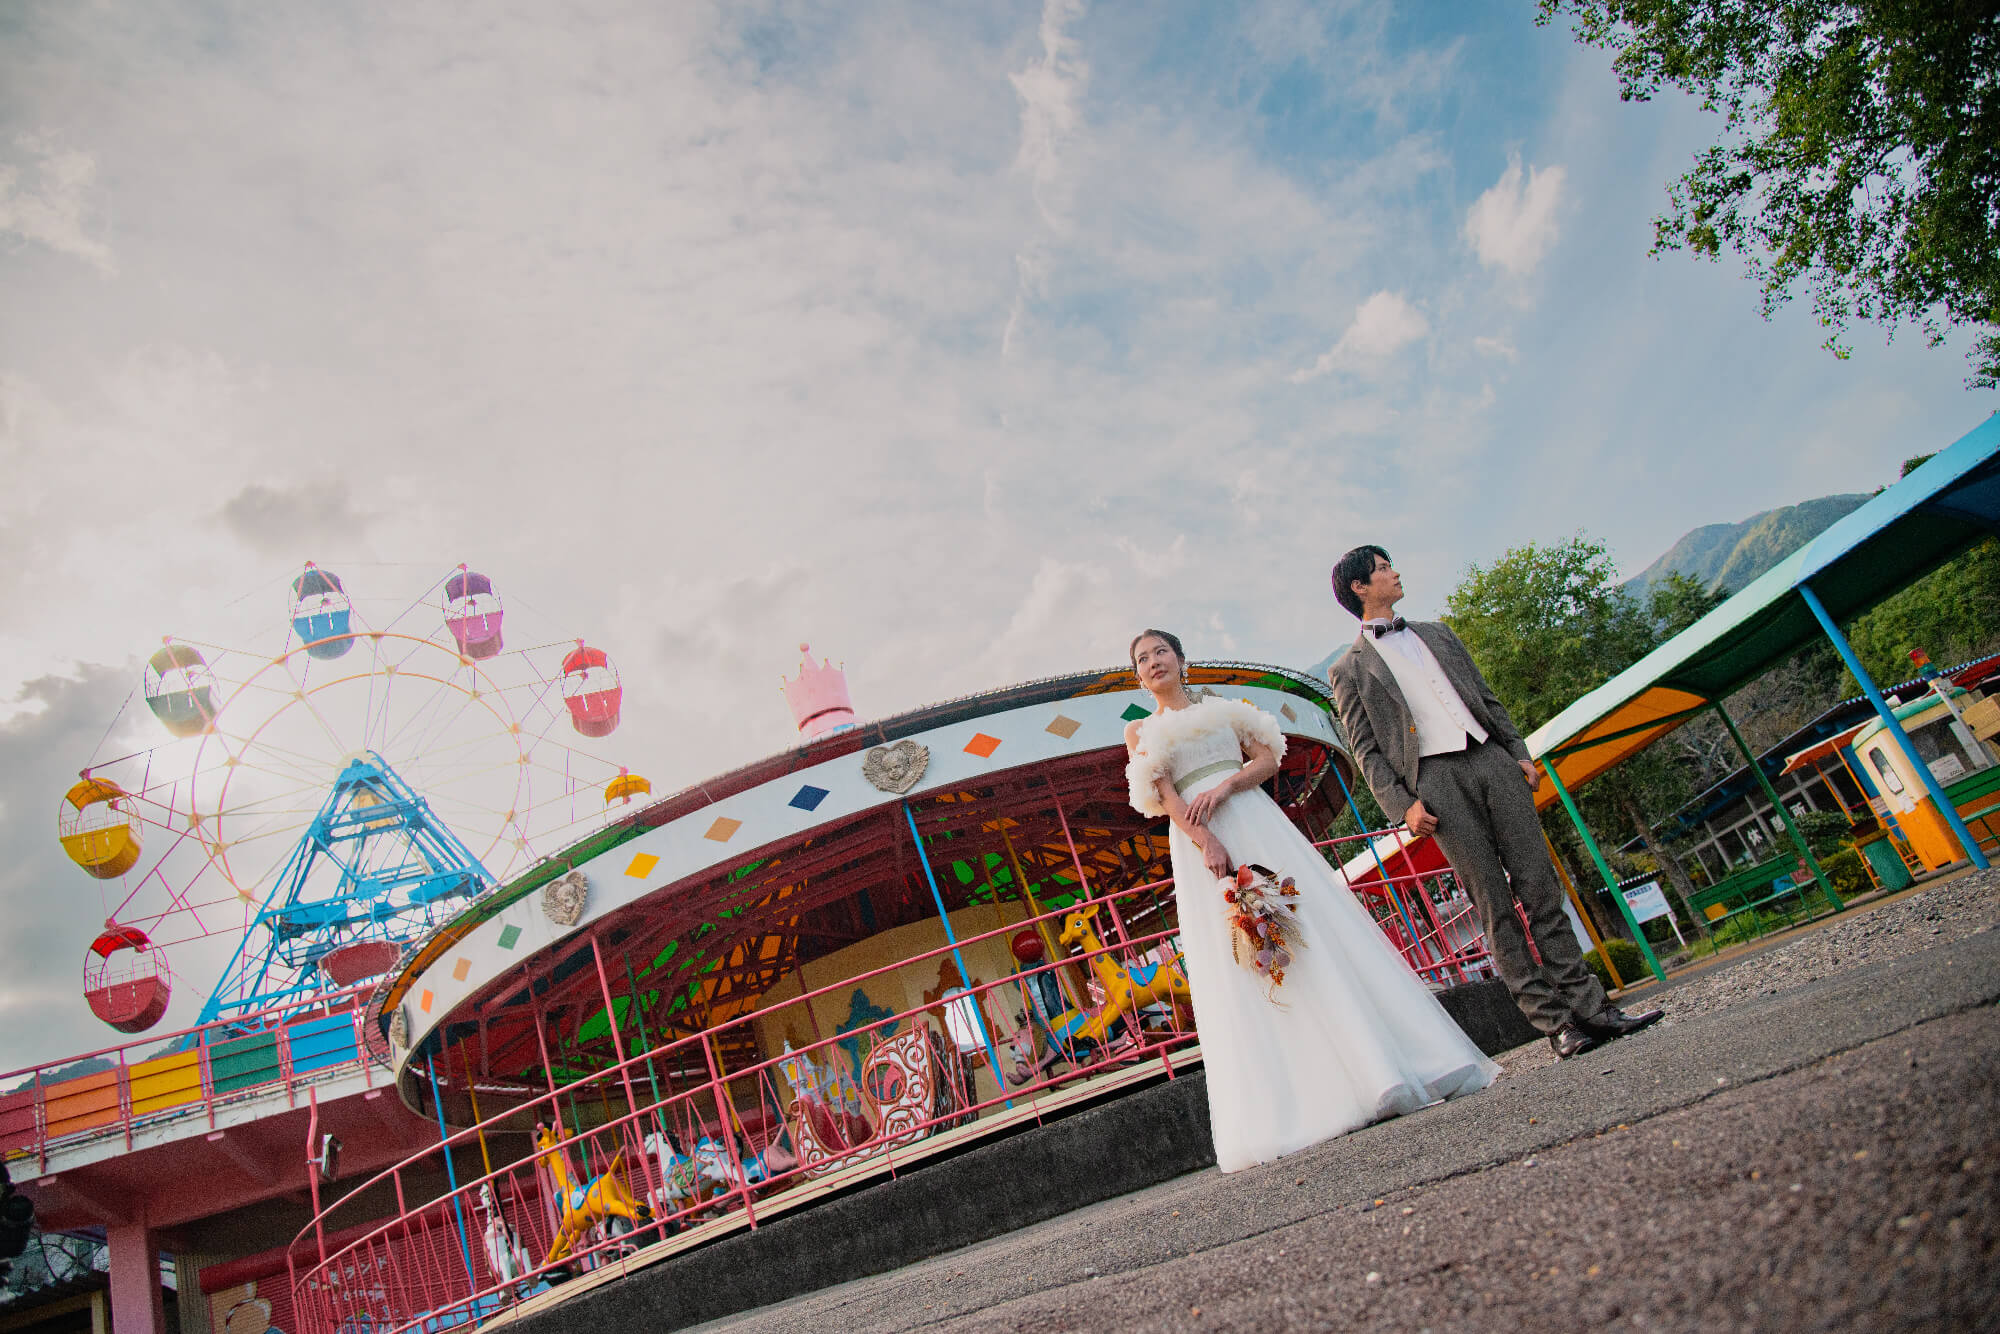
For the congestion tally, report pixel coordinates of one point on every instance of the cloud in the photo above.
(1383, 325)
(53, 909)
(1496, 346)
(680, 322)
(287, 519)
(1051, 93)
(46, 200)
(1513, 224)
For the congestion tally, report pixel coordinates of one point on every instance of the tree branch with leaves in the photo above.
(1860, 153)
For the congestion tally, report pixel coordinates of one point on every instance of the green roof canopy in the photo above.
(1900, 535)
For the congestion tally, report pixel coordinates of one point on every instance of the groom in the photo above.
(1441, 755)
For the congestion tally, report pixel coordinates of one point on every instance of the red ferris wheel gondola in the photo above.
(125, 979)
(591, 689)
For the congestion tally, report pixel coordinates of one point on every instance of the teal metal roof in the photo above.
(1903, 533)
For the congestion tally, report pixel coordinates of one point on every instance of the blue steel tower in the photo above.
(374, 867)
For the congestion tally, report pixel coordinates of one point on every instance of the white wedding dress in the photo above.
(1356, 1036)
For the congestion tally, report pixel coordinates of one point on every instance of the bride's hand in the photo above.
(1215, 857)
(1202, 808)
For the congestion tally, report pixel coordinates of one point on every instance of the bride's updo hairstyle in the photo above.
(1173, 642)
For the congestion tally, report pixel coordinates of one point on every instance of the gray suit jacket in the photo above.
(1377, 720)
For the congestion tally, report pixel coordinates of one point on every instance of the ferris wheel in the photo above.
(309, 809)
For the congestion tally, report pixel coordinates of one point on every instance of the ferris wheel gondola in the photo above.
(322, 806)
(473, 614)
(322, 615)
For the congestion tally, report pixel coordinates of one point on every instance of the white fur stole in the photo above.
(1163, 734)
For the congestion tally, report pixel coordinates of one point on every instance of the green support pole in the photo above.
(1771, 795)
(645, 1042)
(1603, 869)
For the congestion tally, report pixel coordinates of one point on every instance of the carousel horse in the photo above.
(711, 1157)
(680, 1178)
(505, 1257)
(602, 1203)
(1127, 990)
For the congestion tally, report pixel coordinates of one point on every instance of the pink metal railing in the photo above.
(711, 1146)
(189, 1073)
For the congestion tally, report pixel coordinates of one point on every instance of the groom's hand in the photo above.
(1421, 822)
(1534, 775)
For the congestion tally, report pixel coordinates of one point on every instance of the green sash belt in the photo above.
(1188, 780)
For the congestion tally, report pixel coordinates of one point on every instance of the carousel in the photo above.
(817, 970)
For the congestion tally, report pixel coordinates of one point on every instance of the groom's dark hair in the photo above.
(1356, 564)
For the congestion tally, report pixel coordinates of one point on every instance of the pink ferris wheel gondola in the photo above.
(472, 612)
(591, 689)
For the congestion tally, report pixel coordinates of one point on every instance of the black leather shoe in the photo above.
(1612, 1022)
(1571, 1040)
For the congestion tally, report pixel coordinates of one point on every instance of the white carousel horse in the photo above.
(504, 1254)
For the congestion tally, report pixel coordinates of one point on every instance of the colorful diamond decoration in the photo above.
(642, 865)
(1134, 712)
(509, 934)
(1064, 726)
(982, 745)
(424, 1002)
(723, 829)
(808, 797)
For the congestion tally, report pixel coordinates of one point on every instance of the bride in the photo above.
(1354, 1035)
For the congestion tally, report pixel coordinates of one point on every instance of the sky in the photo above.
(961, 341)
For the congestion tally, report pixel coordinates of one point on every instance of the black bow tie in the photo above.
(1378, 629)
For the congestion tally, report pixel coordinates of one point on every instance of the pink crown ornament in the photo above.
(819, 698)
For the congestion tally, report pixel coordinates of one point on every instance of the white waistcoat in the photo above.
(1443, 722)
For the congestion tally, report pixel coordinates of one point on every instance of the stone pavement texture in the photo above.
(1812, 1141)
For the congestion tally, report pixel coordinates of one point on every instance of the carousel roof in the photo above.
(750, 873)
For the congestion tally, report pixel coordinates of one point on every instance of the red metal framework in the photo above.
(185, 1078)
(701, 952)
(710, 1136)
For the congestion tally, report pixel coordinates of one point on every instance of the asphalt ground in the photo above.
(1823, 1155)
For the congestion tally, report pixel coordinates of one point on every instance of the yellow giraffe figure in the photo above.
(603, 1200)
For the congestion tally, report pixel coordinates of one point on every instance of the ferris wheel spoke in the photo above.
(435, 705)
(305, 698)
(225, 809)
(309, 770)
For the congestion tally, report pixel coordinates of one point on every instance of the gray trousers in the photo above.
(1488, 828)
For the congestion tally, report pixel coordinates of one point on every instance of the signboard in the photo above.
(1946, 768)
(1647, 901)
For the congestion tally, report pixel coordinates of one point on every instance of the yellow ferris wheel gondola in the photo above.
(625, 787)
(98, 828)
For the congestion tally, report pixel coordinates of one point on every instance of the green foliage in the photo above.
(1952, 613)
(1825, 832)
(1859, 154)
(1678, 601)
(1346, 824)
(1625, 956)
(1846, 873)
(1546, 624)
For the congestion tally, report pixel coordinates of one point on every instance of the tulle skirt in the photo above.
(1355, 1035)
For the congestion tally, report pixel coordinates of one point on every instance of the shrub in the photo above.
(1846, 874)
(1625, 955)
(1825, 832)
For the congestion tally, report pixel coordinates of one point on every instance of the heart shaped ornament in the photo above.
(896, 768)
(564, 897)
